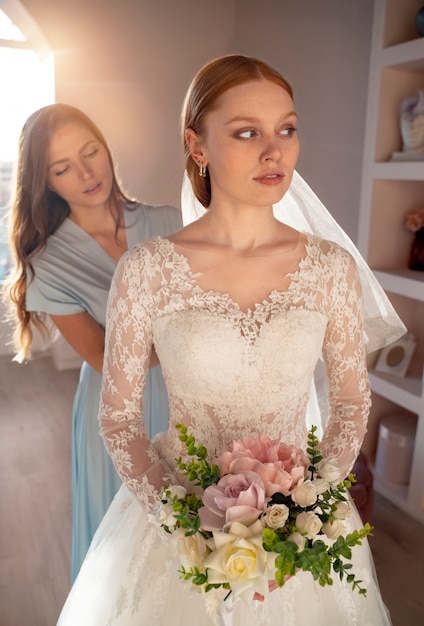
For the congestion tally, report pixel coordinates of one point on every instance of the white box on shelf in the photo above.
(395, 358)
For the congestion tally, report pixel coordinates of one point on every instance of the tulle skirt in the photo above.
(130, 578)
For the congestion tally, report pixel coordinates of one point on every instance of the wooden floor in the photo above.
(35, 507)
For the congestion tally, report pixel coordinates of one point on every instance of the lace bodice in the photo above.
(230, 373)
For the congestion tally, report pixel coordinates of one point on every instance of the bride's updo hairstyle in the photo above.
(210, 82)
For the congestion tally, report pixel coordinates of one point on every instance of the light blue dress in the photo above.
(73, 275)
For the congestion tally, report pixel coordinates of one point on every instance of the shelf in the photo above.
(404, 282)
(397, 494)
(398, 170)
(405, 392)
(389, 190)
(405, 56)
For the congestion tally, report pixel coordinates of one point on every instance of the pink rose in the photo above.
(238, 497)
(248, 447)
(280, 466)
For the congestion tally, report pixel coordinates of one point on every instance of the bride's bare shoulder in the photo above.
(190, 236)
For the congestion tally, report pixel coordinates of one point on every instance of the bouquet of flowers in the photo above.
(265, 511)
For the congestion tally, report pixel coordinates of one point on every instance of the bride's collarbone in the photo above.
(245, 286)
(244, 268)
(285, 241)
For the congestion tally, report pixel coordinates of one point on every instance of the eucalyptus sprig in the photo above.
(200, 578)
(312, 450)
(199, 472)
(185, 512)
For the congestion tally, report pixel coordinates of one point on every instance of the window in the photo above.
(27, 83)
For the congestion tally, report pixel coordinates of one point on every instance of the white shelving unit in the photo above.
(389, 190)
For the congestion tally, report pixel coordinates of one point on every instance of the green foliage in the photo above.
(312, 450)
(200, 578)
(316, 557)
(199, 472)
(319, 558)
(185, 512)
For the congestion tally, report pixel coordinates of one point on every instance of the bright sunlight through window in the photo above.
(27, 83)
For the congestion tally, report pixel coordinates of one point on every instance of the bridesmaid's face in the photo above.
(250, 145)
(79, 169)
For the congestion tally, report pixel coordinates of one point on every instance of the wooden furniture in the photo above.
(389, 190)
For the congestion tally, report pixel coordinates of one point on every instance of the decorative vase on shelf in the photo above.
(419, 21)
(416, 258)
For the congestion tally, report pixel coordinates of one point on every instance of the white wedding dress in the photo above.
(230, 373)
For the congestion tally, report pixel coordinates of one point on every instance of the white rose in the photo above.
(304, 494)
(165, 515)
(276, 516)
(330, 471)
(165, 510)
(333, 529)
(308, 524)
(321, 485)
(193, 551)
(298, 540)
(177, 491)
(240, 559)
(342, 510)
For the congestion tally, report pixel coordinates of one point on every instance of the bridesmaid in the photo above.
(70, 224)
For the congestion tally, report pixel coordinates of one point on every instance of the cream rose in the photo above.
(276, 516)
(193, 550)
(321, 485)
(298, 540)
(342, 510)
(333, 529)
(177, 491)
(330, 471)
(308, 524)
(240, 559)
(304, 494)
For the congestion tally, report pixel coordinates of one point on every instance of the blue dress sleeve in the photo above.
(46, 295)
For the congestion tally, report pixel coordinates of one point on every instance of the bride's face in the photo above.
(250, 144)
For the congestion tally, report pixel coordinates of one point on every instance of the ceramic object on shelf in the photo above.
(395, 447)
(416, 259)
(419, 21)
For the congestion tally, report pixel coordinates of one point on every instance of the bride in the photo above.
(240, 307)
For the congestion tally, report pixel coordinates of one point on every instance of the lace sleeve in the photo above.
(128, 344)
(345, 358)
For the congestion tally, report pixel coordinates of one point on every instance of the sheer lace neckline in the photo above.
(225, 298)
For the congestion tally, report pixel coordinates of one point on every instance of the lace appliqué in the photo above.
(230, 373)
